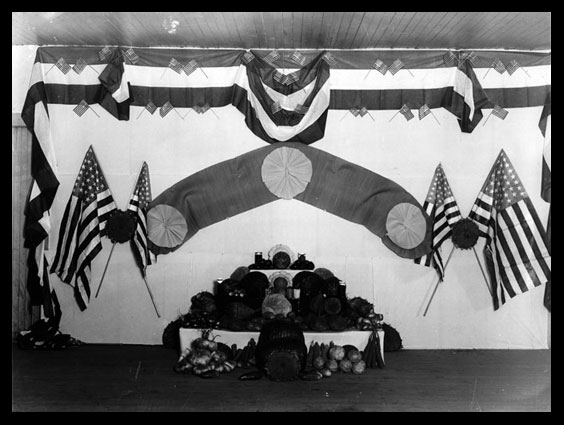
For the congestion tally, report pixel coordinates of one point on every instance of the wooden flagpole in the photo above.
(151, 295)
(438, 282)
(105, 268)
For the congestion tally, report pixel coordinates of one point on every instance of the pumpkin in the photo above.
(345, 365)
(319, 363)
(337, 353)
(333, 365)
(359, 367)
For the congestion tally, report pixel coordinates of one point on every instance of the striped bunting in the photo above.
(516, 252)
(441, 206)
(546, 182)
(138, 203)
(44, 186)
(82, 227)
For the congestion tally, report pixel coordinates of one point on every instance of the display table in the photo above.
(357, 338)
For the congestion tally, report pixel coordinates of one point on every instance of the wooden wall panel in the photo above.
(21, 180)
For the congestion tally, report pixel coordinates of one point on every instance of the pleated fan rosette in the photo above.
(166, 226)
(406, 225)
(286, 172)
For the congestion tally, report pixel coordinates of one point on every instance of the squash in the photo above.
(337, 352)
(345, 365)
(333, 365)
(358, 367)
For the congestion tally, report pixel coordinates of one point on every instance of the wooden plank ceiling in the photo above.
(287, 30)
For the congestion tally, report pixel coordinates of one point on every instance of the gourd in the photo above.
(359, 367)
(337, 352)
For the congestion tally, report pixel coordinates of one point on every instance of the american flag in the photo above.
(247, 57)
(138, 203)
(449, 58)
(175, 65)
(63, 66)
(441, 206)
(470, 57)
(81, 108)
(380, 67)
(299, 58)
(545, 124)
(276, 107)
(131, 55)
(301, 109)
(516, 250)
(80, 65)
(278, 76)
(396, 66)
(363, 111)
(82, 227)
(105, 53)
(290, 78)
(272, 57)
(165, 109)
(512, 67)
(355, 111)
(191, 66)
(498, 66)
(406, 112)
(151, 107)
(424, 111)
(499, 112)
(330, 59)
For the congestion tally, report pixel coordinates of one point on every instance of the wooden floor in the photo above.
(140, 378)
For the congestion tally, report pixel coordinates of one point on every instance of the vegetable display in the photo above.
(324, 360)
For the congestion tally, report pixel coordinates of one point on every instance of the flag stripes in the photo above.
(516, 243)
(138, 204)
(84, 221)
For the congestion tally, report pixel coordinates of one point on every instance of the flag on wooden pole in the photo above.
(516, 251)
(442, 207)
(138, 204)
(82, 226)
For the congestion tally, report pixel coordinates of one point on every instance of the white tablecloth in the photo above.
(357, 338)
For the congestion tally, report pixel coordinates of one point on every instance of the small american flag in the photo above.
(278, 76)
(165, 109)
(138, 203)
(131, 55)
(424, 111)
(470, 57)
(151, 107)
(276, 107)
(441, 206)
(203, 109)
(516, 252)
(82, 107)
(105, 53)
(363, 111)
(272, 57)
(175, 65)
(512, 67)
(499, 112)
(82, 226)
(449, 58)
(79, 66)
(190, 67)
(290, 78)
(299, 58)
(406, 112)
(63, 66)
(301, 109)
(396, 66)
(330, 59)
(498, 66)
(380, 67)
(247, 57)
